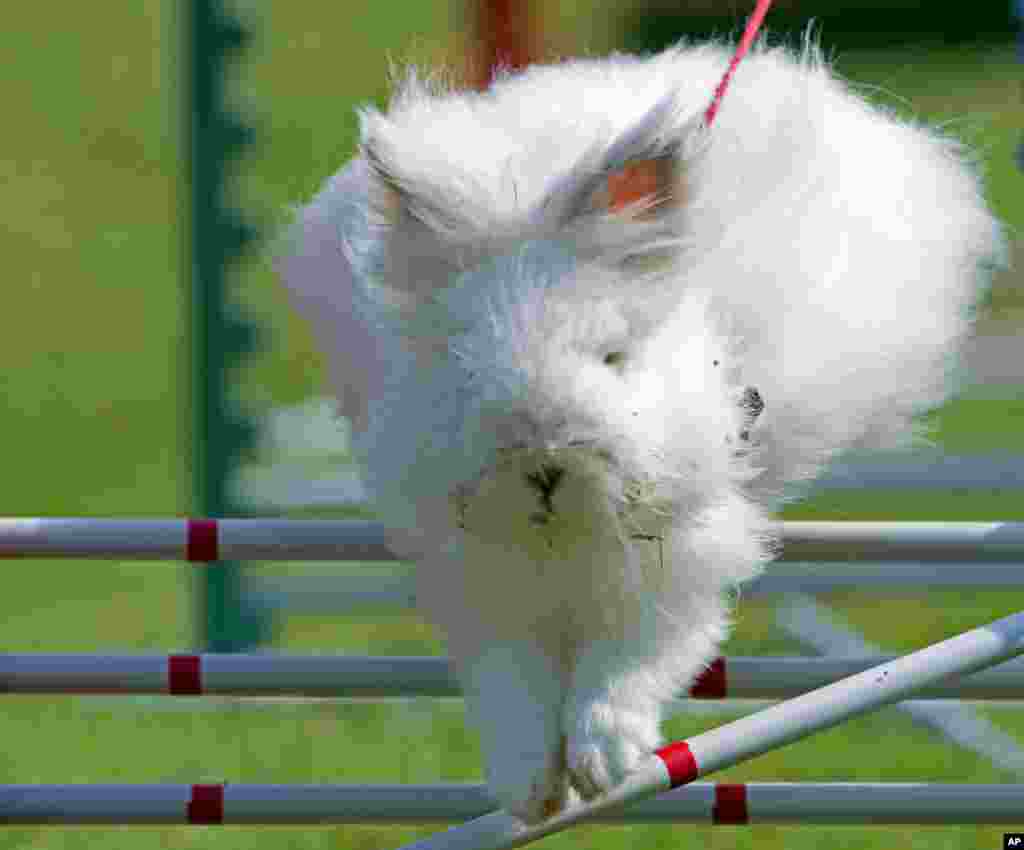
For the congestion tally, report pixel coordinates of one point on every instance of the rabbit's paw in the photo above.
(606, 744)
(532, 789)
(514, 696)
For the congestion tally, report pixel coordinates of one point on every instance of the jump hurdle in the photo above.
(675, 766)
(207, 540)
(681, 763)
(382, 677)
(700, 803)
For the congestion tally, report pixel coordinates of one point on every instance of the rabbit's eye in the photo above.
(615, 358)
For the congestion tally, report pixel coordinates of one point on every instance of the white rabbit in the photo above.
(547, 308)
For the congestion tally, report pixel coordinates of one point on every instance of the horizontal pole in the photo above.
(903, 541)
(869, 803)
(343, 676)
(682, 762)
(925, 470)
(330, 595)
(196, 540)
(881, 577)
(205, 540)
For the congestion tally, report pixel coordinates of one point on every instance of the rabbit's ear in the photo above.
(641, 174)
(440, 199)
(641, 188)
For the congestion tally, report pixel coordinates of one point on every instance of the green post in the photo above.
(220, 336)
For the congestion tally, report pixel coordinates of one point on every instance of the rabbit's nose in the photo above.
(545, 482)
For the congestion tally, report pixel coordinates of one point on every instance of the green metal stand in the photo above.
(220, 335)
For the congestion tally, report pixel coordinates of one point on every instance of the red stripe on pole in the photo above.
(201, 540)
(730, 804)
(206, 805)
(183, 675)
(710, 684)
(680, 763)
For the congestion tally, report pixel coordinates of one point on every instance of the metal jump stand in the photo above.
(220, 335)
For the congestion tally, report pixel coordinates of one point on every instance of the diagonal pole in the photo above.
(684, 761)
(811, 622)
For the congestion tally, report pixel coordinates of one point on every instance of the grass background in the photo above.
(91, 398)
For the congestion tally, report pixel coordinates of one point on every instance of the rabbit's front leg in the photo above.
(514, 694)
(610, 719)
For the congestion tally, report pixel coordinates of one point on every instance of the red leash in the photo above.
(753, 25)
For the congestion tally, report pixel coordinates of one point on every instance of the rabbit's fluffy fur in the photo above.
(547, 389)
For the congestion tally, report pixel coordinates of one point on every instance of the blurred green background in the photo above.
(92, 395)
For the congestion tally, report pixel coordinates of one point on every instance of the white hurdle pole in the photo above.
(197, 540)
(376, 677)
(205, 540)
(701, 802)
(682, 762)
